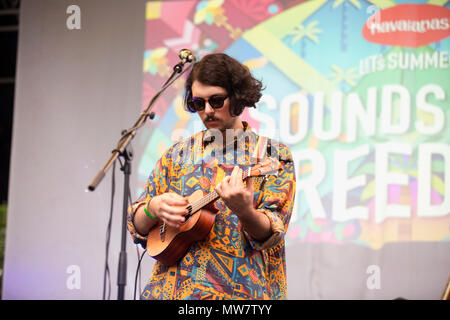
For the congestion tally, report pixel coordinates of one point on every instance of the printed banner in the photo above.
(358, 90)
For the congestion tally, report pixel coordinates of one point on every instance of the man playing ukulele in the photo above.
(243, 256)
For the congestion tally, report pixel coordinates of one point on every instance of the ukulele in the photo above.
(169, 244)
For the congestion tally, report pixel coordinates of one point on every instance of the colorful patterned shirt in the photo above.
(228, 263)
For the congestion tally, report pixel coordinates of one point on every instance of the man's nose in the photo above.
(208, 108)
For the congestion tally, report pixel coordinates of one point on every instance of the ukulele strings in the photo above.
(197, 205)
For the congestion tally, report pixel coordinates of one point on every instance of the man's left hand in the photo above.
(237, 196)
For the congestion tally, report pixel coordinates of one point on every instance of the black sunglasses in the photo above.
(198, 104)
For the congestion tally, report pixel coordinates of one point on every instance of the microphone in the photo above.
(186, 55)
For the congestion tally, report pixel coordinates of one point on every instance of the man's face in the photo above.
(219, 118)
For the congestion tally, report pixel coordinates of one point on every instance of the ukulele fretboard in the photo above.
(210, 197)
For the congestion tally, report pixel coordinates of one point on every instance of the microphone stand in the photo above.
(123, 149)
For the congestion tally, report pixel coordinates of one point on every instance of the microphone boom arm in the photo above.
(128, 135)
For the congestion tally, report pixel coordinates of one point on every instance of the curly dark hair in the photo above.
(221, 70)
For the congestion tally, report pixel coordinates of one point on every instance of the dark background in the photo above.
(9, 30)
(9, 20)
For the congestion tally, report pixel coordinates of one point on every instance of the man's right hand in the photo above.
(170, 208)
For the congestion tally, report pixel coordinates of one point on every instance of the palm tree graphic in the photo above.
(301, 32)
(344, 78)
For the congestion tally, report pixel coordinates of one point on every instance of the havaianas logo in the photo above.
(408, 25)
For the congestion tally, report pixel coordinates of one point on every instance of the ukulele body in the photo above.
(169, 244)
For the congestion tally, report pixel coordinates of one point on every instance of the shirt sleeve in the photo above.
(276, 201)
(156, 184)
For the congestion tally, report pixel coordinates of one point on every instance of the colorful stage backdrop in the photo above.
(359, 90)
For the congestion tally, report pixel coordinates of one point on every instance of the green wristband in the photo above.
(148, 214)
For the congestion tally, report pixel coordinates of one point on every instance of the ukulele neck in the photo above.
(210, 197)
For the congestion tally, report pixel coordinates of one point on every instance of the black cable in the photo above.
(138, 271)
(140, 274)
(106, 275)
